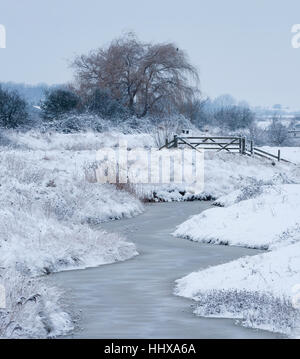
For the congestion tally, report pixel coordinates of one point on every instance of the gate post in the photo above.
(175, 141)
(243, 146)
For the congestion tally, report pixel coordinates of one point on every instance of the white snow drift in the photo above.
(264, 222)
(262, 291)
(47, 204)
(259, 290)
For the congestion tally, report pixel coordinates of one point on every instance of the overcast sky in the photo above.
(240, 47)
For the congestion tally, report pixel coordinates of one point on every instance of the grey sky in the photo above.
(240, 47)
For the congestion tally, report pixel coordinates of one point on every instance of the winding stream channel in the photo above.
(134, 299)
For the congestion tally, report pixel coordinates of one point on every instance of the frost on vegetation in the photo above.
(33, 308)
(47, 209)
(253, 309)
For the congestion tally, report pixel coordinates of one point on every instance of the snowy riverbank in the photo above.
(47, 206)
(262, 290)
(50, 202)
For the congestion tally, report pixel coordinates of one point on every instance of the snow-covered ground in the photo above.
(268, 217)
(262, 290)
(48, 203)
(223, 174)
(291, 154)
(50, 200)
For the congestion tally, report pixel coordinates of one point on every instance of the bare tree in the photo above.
(195, 110)
(137, 74)
(278, 133)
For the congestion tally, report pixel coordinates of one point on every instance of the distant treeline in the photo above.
(33, 94)
(130, 82)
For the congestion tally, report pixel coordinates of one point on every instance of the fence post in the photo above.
(243, 145)
(279, 155)
(166, 142)
(175, 141)
(252, 148)
(240, 144)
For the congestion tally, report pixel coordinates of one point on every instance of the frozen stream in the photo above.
(134, 299)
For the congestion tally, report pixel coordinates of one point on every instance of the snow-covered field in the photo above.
(263, 291)
(47, 207)
(223, 173)
(50, 200)
(291, 154)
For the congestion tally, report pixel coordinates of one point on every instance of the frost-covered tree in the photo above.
(137, 74)
(277, 132)
(224, 112)
(234, 117)
(224, 101)
(13, 109)
(58, 102)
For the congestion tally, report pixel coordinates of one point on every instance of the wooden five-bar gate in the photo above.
(222, 143)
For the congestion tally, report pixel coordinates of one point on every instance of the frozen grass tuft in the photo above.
(47, 208)
(253, 309)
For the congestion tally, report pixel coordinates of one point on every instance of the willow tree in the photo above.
(139, 75)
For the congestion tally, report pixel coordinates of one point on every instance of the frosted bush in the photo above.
(35, 244)
(33, 308)
(254, 309)
(46, 207)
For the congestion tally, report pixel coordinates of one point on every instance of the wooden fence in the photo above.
(222, 143)
(294, 133)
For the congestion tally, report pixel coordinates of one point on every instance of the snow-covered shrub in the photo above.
(35, 244)
(33, 309)
(254, 309)
(57, 102)
(257, 289)
(166, 127)
(74, 123)
(4, 140)
(278, 133)
(13, 109)
(47, 207)
(102, 103)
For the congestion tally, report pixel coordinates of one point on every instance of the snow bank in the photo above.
(263, 291)
(263, 222)
(48, 203)
(57, 184)
(82, 141)
(37, 244)
(224, 173)
(34, 308)
(259, 290)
